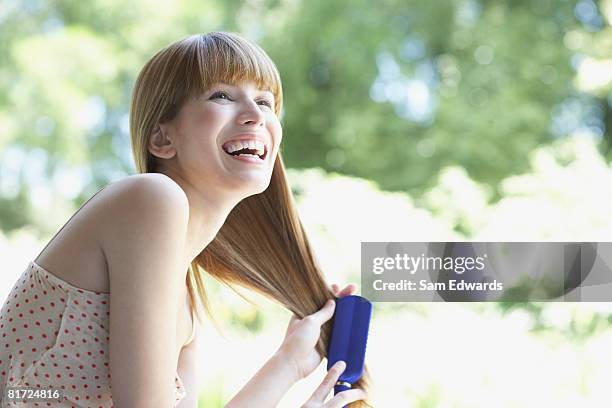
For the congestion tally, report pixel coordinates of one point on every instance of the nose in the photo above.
(251, 114)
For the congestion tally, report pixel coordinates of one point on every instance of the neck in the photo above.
(207, 213)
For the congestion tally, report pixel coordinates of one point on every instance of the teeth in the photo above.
(250, 144)
(250, 155)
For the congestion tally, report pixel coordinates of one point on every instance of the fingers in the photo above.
(345, 397)
(327, 311)
(328, 383)
(324, 314)
(340, 400)
(350, 289)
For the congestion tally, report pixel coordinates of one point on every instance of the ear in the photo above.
(160, 144)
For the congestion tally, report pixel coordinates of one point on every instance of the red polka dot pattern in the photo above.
(53, 334)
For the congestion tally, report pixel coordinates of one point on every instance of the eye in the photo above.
(265, 102)
(221, 95)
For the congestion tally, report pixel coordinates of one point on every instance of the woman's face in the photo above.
(226, 139)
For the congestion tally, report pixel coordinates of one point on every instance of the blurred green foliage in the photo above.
(391, 91)
(396, 92)
(445, 101)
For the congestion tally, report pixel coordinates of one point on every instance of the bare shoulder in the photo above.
(147, 187)
(138, 208)
(128, 204)
(136, 197)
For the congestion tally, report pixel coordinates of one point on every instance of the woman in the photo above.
(118, 311)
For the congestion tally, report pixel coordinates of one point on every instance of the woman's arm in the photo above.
(295, 359)
(268, 385)
(143, 239)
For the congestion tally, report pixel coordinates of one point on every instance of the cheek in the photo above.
(203, 127)
(278, 136)
(207, 119)
(276, 131)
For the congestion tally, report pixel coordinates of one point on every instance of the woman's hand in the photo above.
(303, 334)
(350, 289)
(338, 401)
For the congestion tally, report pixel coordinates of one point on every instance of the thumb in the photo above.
(325, 313)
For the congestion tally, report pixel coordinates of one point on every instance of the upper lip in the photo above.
(248, 137)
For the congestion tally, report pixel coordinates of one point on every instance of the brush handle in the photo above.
(348, 339)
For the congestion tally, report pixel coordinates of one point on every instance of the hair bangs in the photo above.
(227, 58)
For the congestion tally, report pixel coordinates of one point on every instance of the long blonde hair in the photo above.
(273, 256)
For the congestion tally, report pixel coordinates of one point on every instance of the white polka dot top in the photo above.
(53, 334)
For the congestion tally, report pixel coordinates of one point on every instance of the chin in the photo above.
(248, 185)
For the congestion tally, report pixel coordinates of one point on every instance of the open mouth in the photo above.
(253, 150)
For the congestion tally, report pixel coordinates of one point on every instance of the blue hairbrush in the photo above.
(349, 336)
